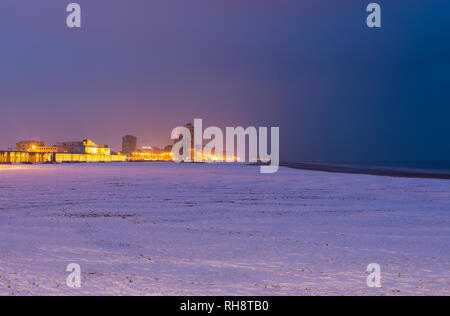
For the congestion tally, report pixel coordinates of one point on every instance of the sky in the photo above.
(338, 90)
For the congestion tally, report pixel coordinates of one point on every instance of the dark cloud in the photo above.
(338, 90)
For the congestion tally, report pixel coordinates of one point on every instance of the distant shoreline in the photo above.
(386, 171)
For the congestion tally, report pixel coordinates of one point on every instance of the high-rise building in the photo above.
(168, 148)
(129, 144)
(190, 127)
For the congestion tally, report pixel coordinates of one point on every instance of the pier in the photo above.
(36, 157)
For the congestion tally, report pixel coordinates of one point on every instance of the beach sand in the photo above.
(220, 229)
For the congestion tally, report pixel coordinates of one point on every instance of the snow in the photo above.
(220, 229)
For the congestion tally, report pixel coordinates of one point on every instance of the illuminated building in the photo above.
(62, 157)
(35, 146)
(149, 153)
(39, 152)
(36, 157)
(151, 156)
(198, 150)
(26, 145)
(149, 149)
(25, 157)
(87, 146)
(47, 149)
(88, 151)
(190, 127)
(129, 144)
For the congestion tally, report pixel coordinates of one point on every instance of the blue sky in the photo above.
(338, 90)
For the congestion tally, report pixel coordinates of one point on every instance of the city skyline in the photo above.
(13, 145)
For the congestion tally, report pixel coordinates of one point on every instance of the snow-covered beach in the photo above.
(220, 229)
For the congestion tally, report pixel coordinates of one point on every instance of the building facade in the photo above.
(39, 152)
(35, 146)
(25, 157)
(129, 145)
(87, 146)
